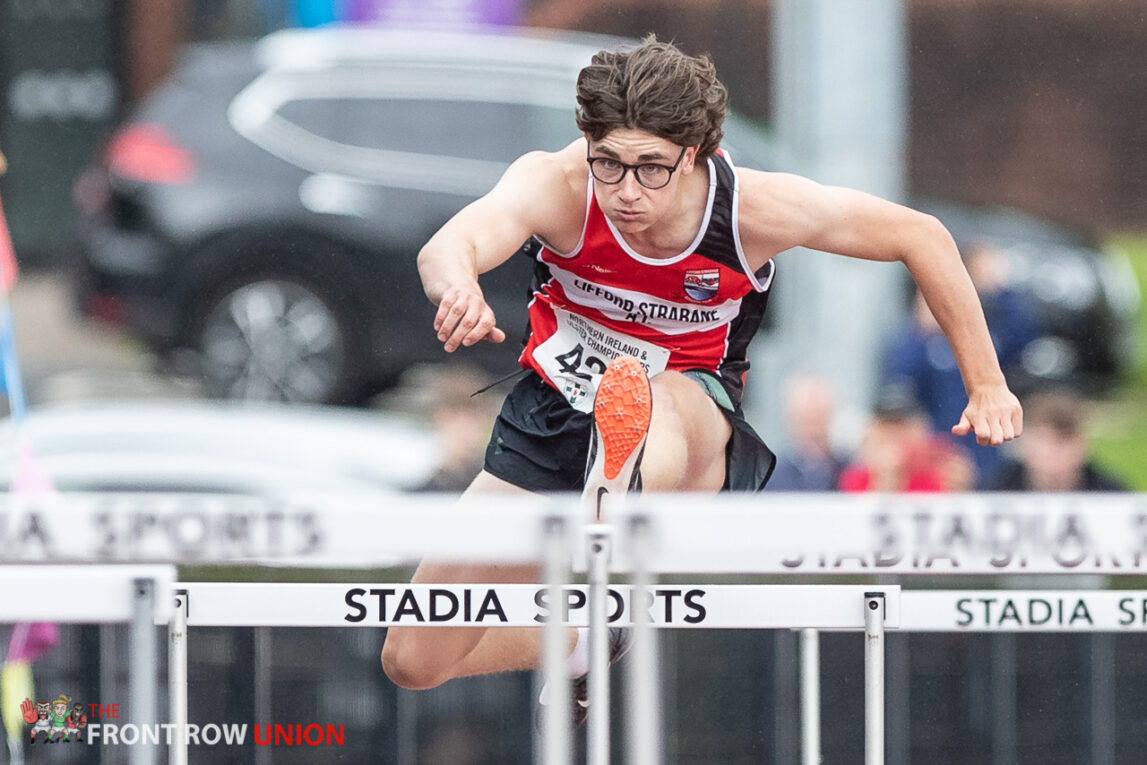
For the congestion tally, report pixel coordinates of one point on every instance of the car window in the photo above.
(427, 127)
(471, 129)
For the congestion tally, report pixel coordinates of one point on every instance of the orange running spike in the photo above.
(622, 409)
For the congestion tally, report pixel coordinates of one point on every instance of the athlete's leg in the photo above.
(685, 450)
(424, 657)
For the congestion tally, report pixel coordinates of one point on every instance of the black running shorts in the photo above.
(541, 443)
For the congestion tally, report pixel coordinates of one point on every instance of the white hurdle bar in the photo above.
(133, 594)
(704, 606)
(819, 534)
(1027, 611)
(677, 606)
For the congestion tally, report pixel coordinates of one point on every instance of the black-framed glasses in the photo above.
(651, 175)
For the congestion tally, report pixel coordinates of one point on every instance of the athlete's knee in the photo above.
(681, 404)
(688, 433)
(670, 393)
(408, 664)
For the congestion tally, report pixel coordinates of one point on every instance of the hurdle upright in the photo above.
(136, 595)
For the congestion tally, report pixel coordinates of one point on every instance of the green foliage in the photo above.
(1119, 442)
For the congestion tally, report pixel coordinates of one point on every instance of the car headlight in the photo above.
(1049, 358)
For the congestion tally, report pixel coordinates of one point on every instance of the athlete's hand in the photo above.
(28, 709)
(464, 318)
(993, 414)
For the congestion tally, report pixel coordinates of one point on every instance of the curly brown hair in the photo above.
(656, 88)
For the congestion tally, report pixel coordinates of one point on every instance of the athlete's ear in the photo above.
(689, 161)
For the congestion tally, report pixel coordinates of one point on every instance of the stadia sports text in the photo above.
(484, 605)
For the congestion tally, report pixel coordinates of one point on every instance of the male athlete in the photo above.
(658, 251)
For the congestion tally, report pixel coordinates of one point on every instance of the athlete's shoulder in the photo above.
(548, 191)
(774, 208)
(563, 171)
(770, 184)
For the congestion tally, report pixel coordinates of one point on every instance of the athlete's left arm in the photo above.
(780, 211)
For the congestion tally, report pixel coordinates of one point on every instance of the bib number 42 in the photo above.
(576, 355)
(572, 362)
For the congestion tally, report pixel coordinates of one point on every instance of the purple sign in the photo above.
(434, 12)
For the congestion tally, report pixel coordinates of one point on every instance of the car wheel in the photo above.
(274, 338)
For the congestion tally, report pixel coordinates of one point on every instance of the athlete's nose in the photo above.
(629, 190)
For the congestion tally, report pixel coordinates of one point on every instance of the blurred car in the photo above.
(257, 219)
(257, 449)
(1084, 297)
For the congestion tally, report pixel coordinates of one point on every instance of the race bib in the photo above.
(576, 355)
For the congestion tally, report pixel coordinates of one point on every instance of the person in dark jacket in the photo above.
(1052, 456)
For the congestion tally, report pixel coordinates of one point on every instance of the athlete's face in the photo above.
(631, 206)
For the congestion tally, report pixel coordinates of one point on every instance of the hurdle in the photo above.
(138, 595)
(790, 536)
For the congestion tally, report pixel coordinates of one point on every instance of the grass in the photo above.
(1119, 436)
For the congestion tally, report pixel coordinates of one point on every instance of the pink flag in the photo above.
(8, 267)
(29, 476)
(29, 641)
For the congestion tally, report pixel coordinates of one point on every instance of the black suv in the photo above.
(257, 220)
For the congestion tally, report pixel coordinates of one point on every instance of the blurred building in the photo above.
(1032, 104)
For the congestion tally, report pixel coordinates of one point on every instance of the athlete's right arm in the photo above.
(531, 198)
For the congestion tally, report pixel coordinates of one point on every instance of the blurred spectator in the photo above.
(1011, 320)
(462, 421)
(919, 356)
(809, 463)
(899, 453)
(1052, 454)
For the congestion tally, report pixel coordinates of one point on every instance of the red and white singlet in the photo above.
(697, 310)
